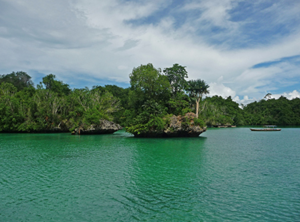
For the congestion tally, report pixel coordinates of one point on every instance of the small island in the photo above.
(176, 126)
(160, 103)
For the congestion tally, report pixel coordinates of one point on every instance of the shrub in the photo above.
(199, 122)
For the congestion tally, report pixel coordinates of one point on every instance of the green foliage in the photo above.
(197, 88)
(148, 83)
(199, 122)
(45, 108)
(89, 106)
(137, 128)
(176, 76)
(55, 86)
(93, 116)
(20, 80)
(149, 94)
(185, 123)
(179, 104)
(219, 111)
(279, 112)
(123, 95)
(151, 118)
(155, 97)
(146, 106)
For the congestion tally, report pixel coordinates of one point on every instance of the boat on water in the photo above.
(267, 128)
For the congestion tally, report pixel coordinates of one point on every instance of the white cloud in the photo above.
(244, 101)
(289, 95)
(96, 39)
(218, 88)
(213, 11)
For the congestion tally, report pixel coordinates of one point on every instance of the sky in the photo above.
(240, 48)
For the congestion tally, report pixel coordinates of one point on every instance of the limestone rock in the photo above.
(179, 126)
(104, 127)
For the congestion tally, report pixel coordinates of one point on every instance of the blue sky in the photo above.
(242, 49)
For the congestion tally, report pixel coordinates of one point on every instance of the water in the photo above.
(224, 175)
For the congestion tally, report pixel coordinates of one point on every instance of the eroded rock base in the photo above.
(104, 127)
(179, 126)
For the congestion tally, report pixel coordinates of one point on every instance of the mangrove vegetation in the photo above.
(154, 97)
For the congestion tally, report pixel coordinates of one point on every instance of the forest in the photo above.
(153, 97)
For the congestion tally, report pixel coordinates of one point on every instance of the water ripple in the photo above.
(230, 175)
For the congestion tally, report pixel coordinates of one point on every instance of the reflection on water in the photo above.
(226, 174)
(163, 173)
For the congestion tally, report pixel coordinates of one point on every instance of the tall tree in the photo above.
(55, 85)
(20, 80)
(149, 94)
(176, 76)
(197, 88)
(268, 96)
(148, 83)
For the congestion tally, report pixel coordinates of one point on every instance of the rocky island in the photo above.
(176, 126)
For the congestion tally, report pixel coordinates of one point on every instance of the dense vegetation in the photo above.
(153, 97)
(51, 104)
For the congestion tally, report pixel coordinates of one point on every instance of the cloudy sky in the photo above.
(243, 49)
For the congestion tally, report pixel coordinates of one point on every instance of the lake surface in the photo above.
(224, 175)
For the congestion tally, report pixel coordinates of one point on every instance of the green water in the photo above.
(224, 175)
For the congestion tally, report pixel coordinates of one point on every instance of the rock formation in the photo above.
(104, 127)
(179, 126)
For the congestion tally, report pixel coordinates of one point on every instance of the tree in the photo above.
(20, 80)
(9, 107)
(148, 83)
(176, 76)
(197, 88)
(55, 85)
(150, 92)
(268, 96)
(93, 104)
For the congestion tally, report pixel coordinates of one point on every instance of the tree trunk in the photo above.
(197, 107)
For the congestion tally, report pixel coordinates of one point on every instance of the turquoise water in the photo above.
(224, 175)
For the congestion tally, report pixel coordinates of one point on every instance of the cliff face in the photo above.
(104, 127)
(179, 126)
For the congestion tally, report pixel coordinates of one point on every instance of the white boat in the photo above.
(267, 128)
